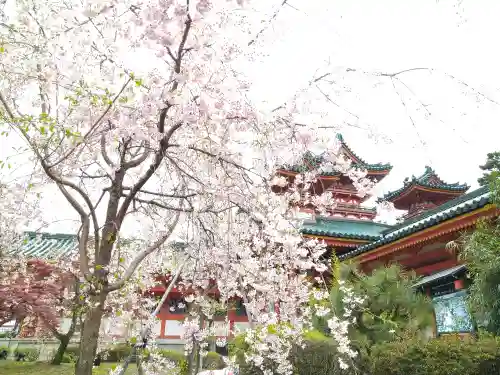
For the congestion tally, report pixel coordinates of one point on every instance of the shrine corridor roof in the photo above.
(449, 210)
(45, 245)
(342, 228)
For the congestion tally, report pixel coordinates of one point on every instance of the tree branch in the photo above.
(143, 254)
(96, 123)
(104, 153)
(84, 238)
(273, 17)
(164, 195)
(158, 158)
(6, 106)
(139, 160)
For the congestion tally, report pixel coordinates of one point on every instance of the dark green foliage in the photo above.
(491, 168)
(72, 351)
(392, 305)
(213, 361)
(9, 350)
(68, 358)
(31, 354)
(178, 358)
(320, 357)
(444, 356)
(480, 250)
(115, 354)
(172, 355)
(491, 177)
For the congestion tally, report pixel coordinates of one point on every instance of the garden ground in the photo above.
(42, 368)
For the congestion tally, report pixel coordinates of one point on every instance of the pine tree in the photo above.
(392, 307)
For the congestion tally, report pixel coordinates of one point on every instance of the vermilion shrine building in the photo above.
(436, 213)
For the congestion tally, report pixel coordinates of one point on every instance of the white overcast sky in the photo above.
(450, 36)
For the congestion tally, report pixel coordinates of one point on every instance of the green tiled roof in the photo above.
(45, 245)
(456, 207)
(353, 229)
(309, 159)
(362, 163)
(425, 180)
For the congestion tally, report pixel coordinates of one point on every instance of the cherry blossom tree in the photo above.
(138, 113)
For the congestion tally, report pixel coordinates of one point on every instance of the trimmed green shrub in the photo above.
(73, 352)
(178, 358)
(213, 361)
(9, 350)
(172, 355)
(69, 358)
(31, 354)
(319, 356)
(116, 353)
(448, 355)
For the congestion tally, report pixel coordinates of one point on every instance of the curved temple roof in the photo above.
(360, 162)
(449, 210)
(352, 229)
(427, 180)
(309, 161)
(45, 245)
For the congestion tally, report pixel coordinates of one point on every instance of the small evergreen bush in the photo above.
(213, 361)
(178, 358)
(30, 354)
(451, 355)
(117, 353)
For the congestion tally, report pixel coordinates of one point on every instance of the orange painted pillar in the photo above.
(230, 317)
(459, 284)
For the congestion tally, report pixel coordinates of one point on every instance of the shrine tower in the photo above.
(348, 224)
(348, 202)
(423, 193)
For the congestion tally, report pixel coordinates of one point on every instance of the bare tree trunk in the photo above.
(63, 344)
(89, 338)
(197, 360)
(138, 360)
(193, 362)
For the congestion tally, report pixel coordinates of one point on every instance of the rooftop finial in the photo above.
(428, 169)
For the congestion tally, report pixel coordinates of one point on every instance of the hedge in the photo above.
(116, 353)
(31, 354)
(451, 356)
(178, 358)
(213, 361)
(9, 350)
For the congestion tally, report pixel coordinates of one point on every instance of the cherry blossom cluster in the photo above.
(338, 321)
